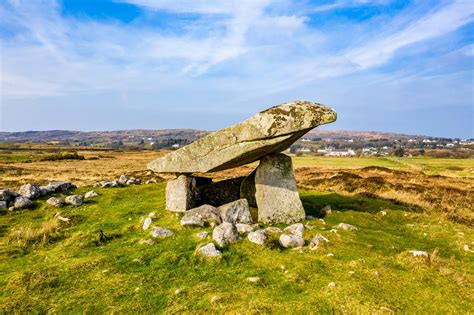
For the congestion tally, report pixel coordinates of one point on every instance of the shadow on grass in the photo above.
(363, 202)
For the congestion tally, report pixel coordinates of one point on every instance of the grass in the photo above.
(52, 266)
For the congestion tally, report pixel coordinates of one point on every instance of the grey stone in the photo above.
(55, 202)
(318, 241)
(54, 187)
(123, 179)
(297, 229)
(22, 202)
(268, 132)
(247, 189)
(236, 212)
(30, 191)
(209, 250)
(3, 205)
(291, 241)
(180, 193)
(146, 223)
(253, 279)
(225, 234)
(90, 194)
(75, 200)
(201, 215)
(325, 210)
(8, 195)
(133, 181)
(244, 228)
(347, 227)
(161, 232)
(276, 192)
(113, 183)
(258, 237)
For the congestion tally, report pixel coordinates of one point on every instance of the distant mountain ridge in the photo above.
(185, 134)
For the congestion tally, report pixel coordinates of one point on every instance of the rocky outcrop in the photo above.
(268, 132)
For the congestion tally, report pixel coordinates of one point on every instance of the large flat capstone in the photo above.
(268, 132)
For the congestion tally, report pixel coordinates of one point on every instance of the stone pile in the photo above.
(270, 190)
(123, 180)
(22, 199)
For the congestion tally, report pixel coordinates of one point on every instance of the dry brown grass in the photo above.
(29, 234)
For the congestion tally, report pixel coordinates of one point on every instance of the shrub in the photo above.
(63, 156)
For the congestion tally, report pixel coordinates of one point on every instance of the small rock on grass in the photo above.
(146, 223)
(291, 241)
(253, 279)
(318, 241)
(225, 234)
(258, 237)
(331, 284)
(90, 194)
(296, 229)
(161, 232)
(273, 230)
(55, 202)
(419, 253)
(347, 227)
(203, 234)
(22, 202)
(244, 228)
(209, 250)
(75, 200)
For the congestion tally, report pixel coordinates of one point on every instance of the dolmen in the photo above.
(270, 190)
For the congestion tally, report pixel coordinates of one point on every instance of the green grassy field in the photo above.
(70, 270)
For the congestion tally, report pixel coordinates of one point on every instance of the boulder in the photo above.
(75, 200)
(258, 237)
(209, 250)
(318, 241)
(161, 232)
(236, 212)
(30, 191)
(90, 194)
(296, 229)
(247, 189)
(22, 202)
(201, 215)
(123, 179)
(55, 202)
(276, 192)
(54, 187)
(180, 193)
(291, 241)
(243, 228)
(225, 234)
(268, 132)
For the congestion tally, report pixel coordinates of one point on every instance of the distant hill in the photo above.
(184, 134)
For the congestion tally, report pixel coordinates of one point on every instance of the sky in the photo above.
(395, 66)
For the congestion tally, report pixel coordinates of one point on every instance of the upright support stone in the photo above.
(247, 189)
(180, 193)
(276, 192)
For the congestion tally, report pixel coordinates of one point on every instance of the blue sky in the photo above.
(400, 66)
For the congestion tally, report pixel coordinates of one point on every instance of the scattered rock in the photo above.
(419, 253)
(60, 218)
(317, 242)
(91, 194)
(322, 221)
(276, 192)
(331, 284)
(243, 228)
(55, 202)
(113, 183)
(225, 234)
(54, 187)
(201, 215)
(330, 255)
(75, 200)
(383, 213)
(273, 230)
(326, 210)
(133, 181)
(203, 234)
(146, 223)
(123, 179)
(8, 196)
(347, 227)
(152, 215)
(291, 241)
(296, 229)
(177, 291)
(161, 232)
(258, 237)
(333, 230)
(22, 203)
(236, 212)
(209, 250)
(30, 191)
(253, 279)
